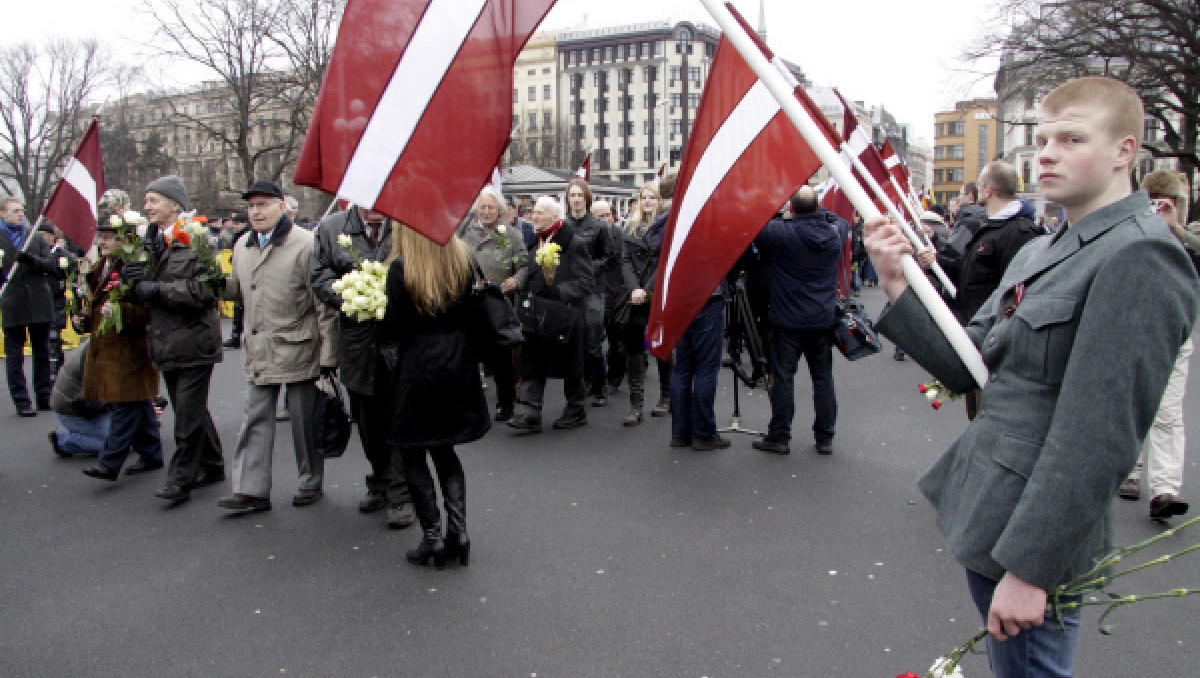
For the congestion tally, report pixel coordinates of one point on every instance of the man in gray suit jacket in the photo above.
(1079, 338)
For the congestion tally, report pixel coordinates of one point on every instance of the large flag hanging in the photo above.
(73, 205)
(585, 168)
(416, 106)
(859, 145)
(744, 158)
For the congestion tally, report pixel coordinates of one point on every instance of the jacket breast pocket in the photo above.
(1043, 336)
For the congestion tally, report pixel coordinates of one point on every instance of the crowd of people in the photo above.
(1068, 419)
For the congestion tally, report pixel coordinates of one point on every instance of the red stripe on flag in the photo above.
(71, 211)
(465, 126)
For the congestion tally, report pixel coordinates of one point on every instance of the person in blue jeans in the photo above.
(694, 378)
(804, 247)
(84, 423)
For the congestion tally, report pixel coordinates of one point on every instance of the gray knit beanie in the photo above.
(171, 187)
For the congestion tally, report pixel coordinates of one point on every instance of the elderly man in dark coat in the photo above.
(369, 236)
(26, 306)
(184, 335)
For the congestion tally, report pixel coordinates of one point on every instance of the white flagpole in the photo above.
(12, 272)
(785, 95)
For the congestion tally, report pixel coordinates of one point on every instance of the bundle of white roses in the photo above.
(363, 290)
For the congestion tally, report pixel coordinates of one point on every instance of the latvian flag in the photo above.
(416, 106)
(744, 158)
(72, 206)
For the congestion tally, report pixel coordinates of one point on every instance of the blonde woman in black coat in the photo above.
(435, 397)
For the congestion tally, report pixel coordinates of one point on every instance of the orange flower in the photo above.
(178, 234)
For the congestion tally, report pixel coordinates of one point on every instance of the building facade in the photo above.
(964, 141)
(535, 129)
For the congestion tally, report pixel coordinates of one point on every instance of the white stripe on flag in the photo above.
(434, 45)
(858, 141)
(78, 176)
(752, 114)
(891, 161)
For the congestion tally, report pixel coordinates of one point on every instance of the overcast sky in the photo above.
(900, 55)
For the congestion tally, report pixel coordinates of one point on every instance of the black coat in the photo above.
(356, 350)
(435, 397)
(639, 268)
(185, 327)
(986, 257)
(574, 280)
(28, 299)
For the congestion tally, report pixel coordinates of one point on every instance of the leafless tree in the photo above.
(1153, 45)
(267, 57)
(44, 92)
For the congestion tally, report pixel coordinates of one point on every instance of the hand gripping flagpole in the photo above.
(12, 272)
(785, 95)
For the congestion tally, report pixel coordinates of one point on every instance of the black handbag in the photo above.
(855, 334)
(502, 322)
(330, 419)
(545, 318)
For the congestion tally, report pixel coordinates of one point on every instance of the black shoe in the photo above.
(143, 466)
(53, 436)
(26, 410)
(429, 548)
(44, 405)
(173, 492)
(374, 501)
(244, 502)
(233, 342)
(306, 498)
(208, 476)
(525, 422)
(898, 355)
(100, 472)
(565, 422)
(457, 547)
(825, 447)
(504, 413)
(717, 443)
(400, 516)
(771, 446)
(681, 442)
(1166, 505)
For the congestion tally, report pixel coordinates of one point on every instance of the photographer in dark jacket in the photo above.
(997, 239)
(183, 335)
(594, 235)
(370, 237)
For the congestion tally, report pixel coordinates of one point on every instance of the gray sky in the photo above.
(871, 50)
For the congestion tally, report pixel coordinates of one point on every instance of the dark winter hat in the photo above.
(263, 187)
(171, 187)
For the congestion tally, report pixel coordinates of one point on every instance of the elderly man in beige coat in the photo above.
(289, 338)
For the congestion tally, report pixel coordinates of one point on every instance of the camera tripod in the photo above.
(743, 332)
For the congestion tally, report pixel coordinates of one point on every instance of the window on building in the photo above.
(1028, 135)
(1026, 173)
(647, 50)
(516, 121)
(576, 82)
(1030, 98)
(956, 129)
(676, 154)
(983, 145)
(532, 71)
(693, 99)
(954, 152)
(675, 74)
(533, 149)
(939, 129)
(545, 70)
(516, 96)
(621, 52)
(546, 92)
(596, 54)
(694, 74)
(650, 74)
(532, 93)
(1150, 129)
(676, 126)
(547, 119)
(937, 176)
(955, 174)
(533, 121)
(600, 129)
(676, 99)
(570, 58)
(628, 128)
(608, 53)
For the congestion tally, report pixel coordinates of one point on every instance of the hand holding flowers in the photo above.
(548, 257)
(364, 289)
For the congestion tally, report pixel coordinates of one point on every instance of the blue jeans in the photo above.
(1044, 651)
(82, 435)
(134, 427)
(694, 379)
(787, 345)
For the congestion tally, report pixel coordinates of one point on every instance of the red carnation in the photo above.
(937, 404)
(910, 674)
(922, 388)
(114, 276)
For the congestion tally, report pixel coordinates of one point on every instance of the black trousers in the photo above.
(500, 362)
(14, 362)
(372, 420)
(197, 444)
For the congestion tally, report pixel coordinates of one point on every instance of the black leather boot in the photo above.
(430, 548)
(424, 500)
(458, 545)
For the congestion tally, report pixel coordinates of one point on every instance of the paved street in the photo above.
(596, 553)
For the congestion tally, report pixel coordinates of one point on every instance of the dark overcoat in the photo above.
(28, 299)
(574, 281)
(185, 327)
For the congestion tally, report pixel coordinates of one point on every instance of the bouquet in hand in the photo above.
(129, 250)
(547, 256)
(364, 289)
(191, 232)
(500, 236)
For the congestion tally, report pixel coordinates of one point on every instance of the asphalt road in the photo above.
(598, 552)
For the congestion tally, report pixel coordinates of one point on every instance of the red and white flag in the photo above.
(744, 158)
(834, 199)
(662, 171)
(415, 109)
(585, 169)
(860, 146)
(894, 166)
(73, 205)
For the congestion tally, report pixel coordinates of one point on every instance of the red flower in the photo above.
(114, 276)
(110, 286)
(910, 674)
(937, 404)
(922, 388)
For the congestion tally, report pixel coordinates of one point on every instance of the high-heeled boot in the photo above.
(458, 545)
(663, 408)
(424, 499)
(635, 368)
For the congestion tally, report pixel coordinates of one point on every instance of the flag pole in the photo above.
(784, 93)
(12, 272)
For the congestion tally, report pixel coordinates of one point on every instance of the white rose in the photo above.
(63, 263)
(502, 229)
(344, 240)
(931, 394)
(338, 286)
(380, 313)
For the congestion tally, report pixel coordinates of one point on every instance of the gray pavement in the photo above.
(598, 552)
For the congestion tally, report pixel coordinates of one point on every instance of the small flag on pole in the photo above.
(73, 205)
(585, 170)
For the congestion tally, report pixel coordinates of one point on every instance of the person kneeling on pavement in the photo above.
(83, 422)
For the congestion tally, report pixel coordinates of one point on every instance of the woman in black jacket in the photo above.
(561, 292)
(435, 396)
(639, 266)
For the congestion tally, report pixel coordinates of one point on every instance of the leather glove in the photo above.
(143, 291)
(25, 257)
(133, 273)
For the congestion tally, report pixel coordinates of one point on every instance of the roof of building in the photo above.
(528, 174)
(632, 29)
